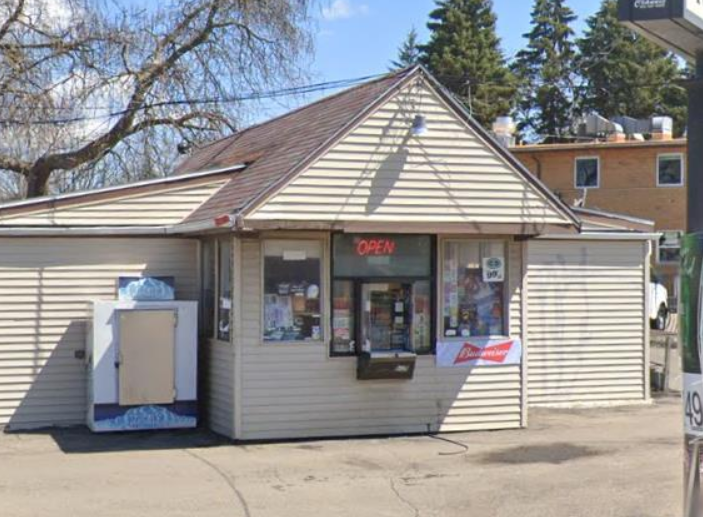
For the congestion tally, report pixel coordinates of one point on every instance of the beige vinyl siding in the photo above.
(379, 172)
(46, 288)
(587, 322)
(296, 390)
(218, 398)
(219, 377)
(154, 209)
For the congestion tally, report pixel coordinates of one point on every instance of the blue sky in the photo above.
(359, 37)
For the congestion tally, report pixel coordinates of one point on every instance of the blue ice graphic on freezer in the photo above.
(146, 289)
(145, 418)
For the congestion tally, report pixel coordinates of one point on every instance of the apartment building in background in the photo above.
(642, 178)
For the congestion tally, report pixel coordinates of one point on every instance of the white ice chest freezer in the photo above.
(142, 365)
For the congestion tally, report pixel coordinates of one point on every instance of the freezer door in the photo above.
(147, 341)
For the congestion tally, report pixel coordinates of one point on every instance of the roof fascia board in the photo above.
(595, 146)
(611, 215)
(603, 236)
(362, 226)
(88, 231)
(337, 136)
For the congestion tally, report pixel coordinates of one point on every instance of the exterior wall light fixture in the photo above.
(419, 126)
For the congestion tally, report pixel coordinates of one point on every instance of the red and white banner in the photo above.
(478, 352)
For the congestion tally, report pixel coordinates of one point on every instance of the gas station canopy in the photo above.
(673, 24)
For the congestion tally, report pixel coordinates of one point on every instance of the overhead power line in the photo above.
(112, 113)
(270, 94)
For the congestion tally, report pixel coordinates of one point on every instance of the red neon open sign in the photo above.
(375, 246)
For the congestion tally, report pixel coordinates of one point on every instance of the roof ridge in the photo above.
(401, 79)
(482, 133)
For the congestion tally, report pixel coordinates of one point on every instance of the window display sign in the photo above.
(372, 255)
(375, 246)
(292, 310)
(473, 278)
(479, 352)
(493, 269)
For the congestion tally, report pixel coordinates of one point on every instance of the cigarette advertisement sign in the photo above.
(478, 352)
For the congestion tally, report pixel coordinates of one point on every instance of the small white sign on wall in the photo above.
(493, 269)
(294, 255)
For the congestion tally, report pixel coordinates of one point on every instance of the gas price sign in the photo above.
(676, 25)
(691, 334)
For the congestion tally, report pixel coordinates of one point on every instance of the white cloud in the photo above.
(341, 9)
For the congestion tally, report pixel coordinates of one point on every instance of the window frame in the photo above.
(203, 271)
(358, 281)
(322, 286)
(659, 247)
(215, 240)
(576, 169)
(218, 268)
(440, 287)
(680, 156)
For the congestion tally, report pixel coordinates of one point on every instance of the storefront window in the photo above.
(473, 285)
(343, 323)
(292, 291)
(224, 288)
(207, 297)
(382, 293)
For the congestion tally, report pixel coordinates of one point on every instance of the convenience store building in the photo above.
(372, 263)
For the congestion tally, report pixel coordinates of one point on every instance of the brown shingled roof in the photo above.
(276, 148)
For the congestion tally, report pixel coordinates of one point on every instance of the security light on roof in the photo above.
(419, 125)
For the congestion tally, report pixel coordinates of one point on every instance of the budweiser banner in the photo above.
(478, 352)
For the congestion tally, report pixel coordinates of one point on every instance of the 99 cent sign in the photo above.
(493, 269)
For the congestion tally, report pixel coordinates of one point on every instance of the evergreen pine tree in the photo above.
(627, 75)
(545, 71)
(409, 51)
(464, 54)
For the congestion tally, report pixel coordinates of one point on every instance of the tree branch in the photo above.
(12, 19)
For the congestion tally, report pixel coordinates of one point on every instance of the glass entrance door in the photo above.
(386, 323)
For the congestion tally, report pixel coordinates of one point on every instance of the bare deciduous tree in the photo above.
(91, 91)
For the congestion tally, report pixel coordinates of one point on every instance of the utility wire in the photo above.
(271, 94)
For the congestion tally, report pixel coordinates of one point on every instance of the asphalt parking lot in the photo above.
(623, 462)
